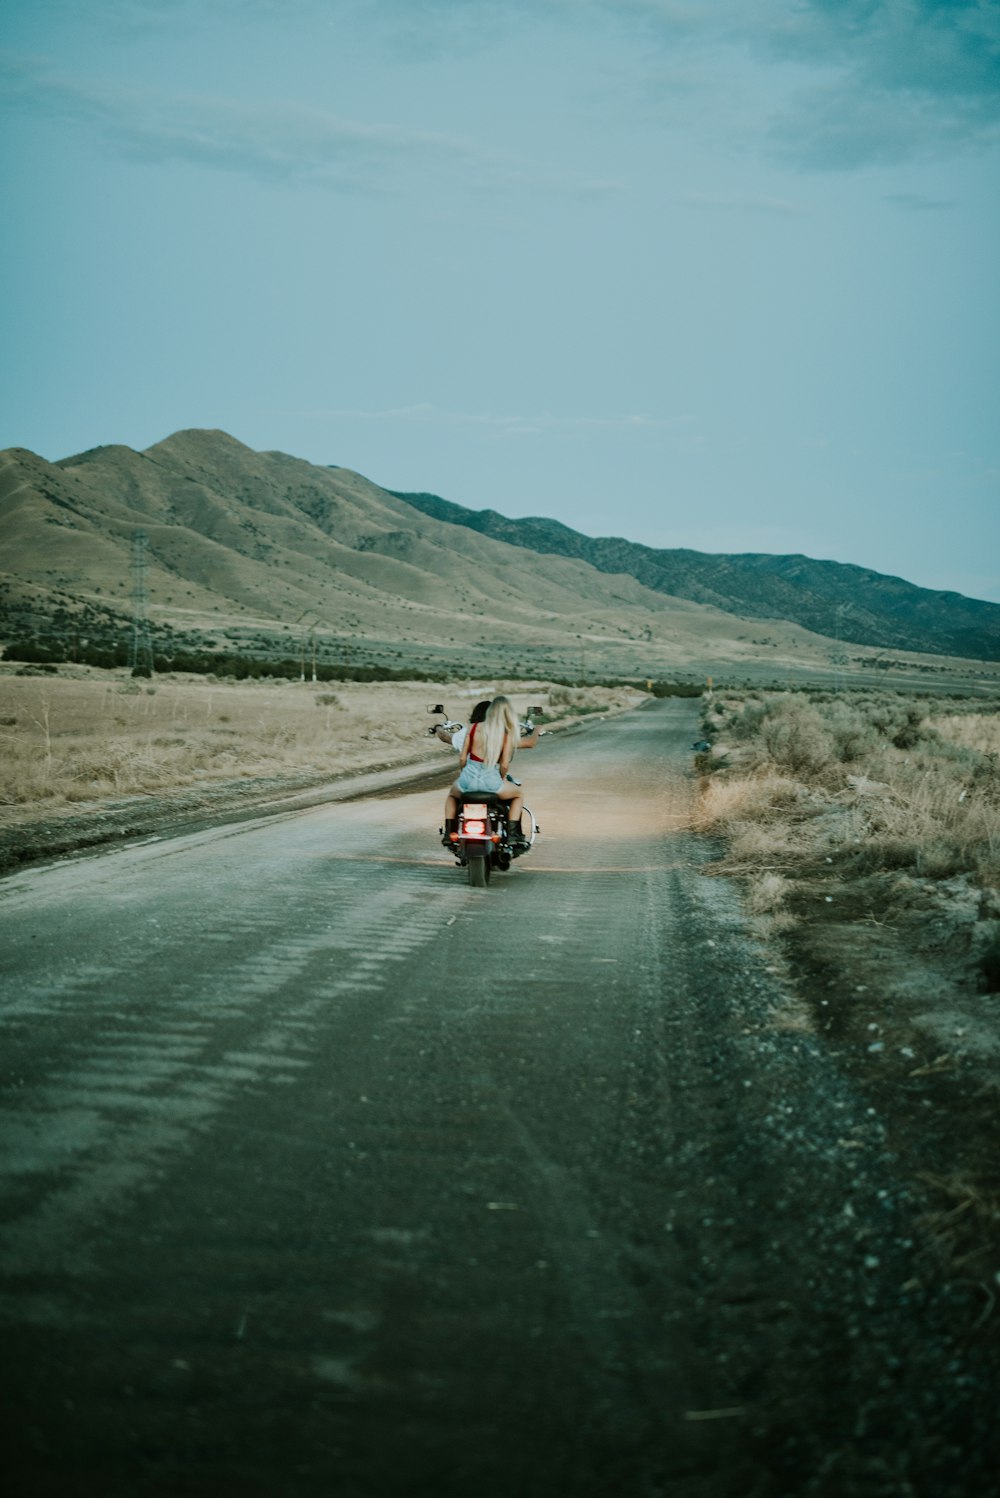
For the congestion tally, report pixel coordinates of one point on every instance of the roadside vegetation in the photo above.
(866, 829)
(102, 638)
(872, 782)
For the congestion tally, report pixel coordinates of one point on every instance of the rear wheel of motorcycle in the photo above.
(479, 871)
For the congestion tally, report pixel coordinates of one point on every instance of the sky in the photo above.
(719, 274)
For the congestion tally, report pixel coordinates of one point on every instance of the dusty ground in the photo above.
(887, 976)
(895, 987)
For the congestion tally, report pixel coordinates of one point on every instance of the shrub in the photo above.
(931, 807)
(724, 801)
(746, 723)
(854, 735)
(672, 688)
(797, 739)
(766, 893)
(906, 735)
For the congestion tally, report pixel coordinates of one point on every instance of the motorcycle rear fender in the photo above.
(477, 808)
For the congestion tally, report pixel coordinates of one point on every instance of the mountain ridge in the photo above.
(259, 551)
(823, 596)
(243, 544)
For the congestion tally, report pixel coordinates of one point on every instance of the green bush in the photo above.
(671, 688)
(854, 735)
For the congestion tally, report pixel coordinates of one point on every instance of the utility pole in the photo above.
(307, 645)
(140, 655)
(840, 659)
(308, 636)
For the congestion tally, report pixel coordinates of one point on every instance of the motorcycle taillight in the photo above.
(474, 828)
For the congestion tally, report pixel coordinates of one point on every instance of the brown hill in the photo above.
(243, 542)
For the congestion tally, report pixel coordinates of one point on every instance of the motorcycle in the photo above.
(482, 841)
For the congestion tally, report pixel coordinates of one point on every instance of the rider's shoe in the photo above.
(516, 839)
(447, 830)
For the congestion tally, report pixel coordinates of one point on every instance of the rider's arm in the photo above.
(506, 754)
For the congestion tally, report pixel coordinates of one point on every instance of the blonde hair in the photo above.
(500, 721)
(512, 725)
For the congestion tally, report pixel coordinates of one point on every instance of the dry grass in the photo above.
(963, 1233)
(908, 784)
(766, 893)
(974, 730)
(78, 739)
(727, 801)
(761, 817)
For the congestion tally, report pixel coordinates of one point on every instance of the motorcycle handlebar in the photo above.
(526, 727)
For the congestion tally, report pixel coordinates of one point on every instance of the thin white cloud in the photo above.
(272, 141)
(746, 203)
(850, 83)
(425, 414)
(913, 202)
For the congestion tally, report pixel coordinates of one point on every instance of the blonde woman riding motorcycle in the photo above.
(484, 762)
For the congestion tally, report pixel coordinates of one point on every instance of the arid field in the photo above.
(93, 735)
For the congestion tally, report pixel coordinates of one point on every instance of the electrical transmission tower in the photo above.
(140, 656)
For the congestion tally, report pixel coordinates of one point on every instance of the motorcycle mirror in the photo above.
(437, 709)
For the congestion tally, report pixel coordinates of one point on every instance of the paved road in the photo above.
(325, 1174)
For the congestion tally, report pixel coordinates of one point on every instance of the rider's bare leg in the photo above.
(515, 801)
(508, 793)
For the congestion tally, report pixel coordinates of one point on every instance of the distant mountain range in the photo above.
(260, 553)
(833, 598)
